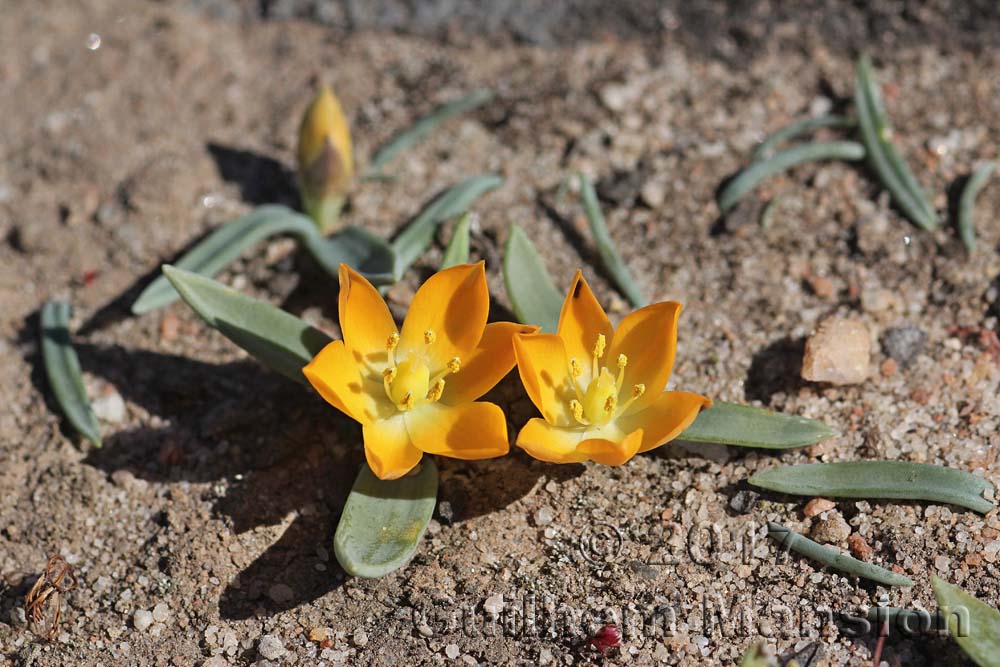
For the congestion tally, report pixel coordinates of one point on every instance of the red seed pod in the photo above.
(607, 638)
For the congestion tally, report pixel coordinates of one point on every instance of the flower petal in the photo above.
(648, 337)
(364, 318)
(388, 448)
(454, 304)
(492, 359)
(610, 452)
(470, 431)
(542, 364)
(580, 322)
(335, 375)
(553, 444)
(666, 418)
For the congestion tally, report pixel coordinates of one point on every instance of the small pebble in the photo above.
(318, 634)
(817, 506)
(839, 352)
(451, 650)
(445, 513)
(280, 593)
(161, 612)
(425, 630)
(142, 619)
(904, 343)
(360, 637)
(830, 530)
(543, 517)
(270, 647)
(742, 503)
(215, 661)
(859, 548)
(110, 408)
(493, 604)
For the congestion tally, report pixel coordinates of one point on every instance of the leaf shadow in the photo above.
(776, 368)
(260, 178)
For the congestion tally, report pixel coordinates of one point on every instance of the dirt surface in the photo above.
(214, 499)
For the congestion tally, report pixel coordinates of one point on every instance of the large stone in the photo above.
(839, 352)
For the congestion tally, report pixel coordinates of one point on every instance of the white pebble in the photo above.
(494, 604)
(142, 619)
(161, 612)
(451, 650)
(110, 408)
(270, 647)
(543, 517)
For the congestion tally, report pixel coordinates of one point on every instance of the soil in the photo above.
(131, 129)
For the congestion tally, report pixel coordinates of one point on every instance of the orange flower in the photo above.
(413, 390)
(601, 391)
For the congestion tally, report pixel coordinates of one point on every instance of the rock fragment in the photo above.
(839, 352)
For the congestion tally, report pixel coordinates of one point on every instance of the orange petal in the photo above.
(542, 364)
(470, 431)
(492, 359)
(580, 322)
(454, 304)
(364, 318)
(553, 444)
(648, 337)
(388, 448)
(335, 375)
(670, 413)
(610, 452)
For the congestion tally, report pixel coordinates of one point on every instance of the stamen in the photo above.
(598, 353)
(408, 401)
(574, 368)
(435, 393)
(577, 409)
(388, 375)
(637, 391)
(454, 365)
(622, 363)
(390, 347)
(609, 403)
(429, 336)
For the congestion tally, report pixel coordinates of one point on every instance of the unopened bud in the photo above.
(325, 160)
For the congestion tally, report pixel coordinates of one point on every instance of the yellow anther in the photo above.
(599, 346)
(609, 403)
(435, 393)
(408, 401)
(577, 409)
(622, 361)
(429, 336)
(392, 341)
(389, 374)
(454, 365)
(638, 390)
(574, 368)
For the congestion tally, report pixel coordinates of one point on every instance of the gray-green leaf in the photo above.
(881, 479)
(418, 235)
(755, 657)
(833, 558)
(353, 246)
(974, 624)
(796, 129)
(882, 155)
(752, 176)
(529, 287)
(457, 251)
(745, 426)
(62, 367)
(416, 132)
(384, 521)
(966, 228)
(610, 256)
(277, 339)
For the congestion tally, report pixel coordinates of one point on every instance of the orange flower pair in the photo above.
(414, 390)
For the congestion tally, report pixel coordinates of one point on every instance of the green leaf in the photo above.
(353, 246)
(416, 132)
(277, 339)
(882, 155)
(880, 479)
(798, 128)
(753, 175)
(610, 257)
(755, 657)
(833, 558)
(384, 521)
(744, 426)
(966, 228)
(418, 235)
(62, 367)
(529, 287)
(458, 247)
(974, 624)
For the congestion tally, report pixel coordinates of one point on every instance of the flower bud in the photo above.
(325, 160)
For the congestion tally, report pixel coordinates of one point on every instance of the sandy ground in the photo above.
(218, 489)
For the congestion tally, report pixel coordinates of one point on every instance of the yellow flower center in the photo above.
(598, 403)
(408, 383)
